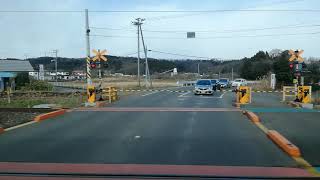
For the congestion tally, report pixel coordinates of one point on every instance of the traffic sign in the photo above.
(296, 55)
(191, 34)
(99, 55)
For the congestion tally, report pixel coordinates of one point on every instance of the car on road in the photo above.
(239, 82)
(224, 82)
(214, 83)
(203, 86)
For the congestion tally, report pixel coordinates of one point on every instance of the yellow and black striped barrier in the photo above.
(184, 91)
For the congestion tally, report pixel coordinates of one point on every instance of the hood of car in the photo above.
(203, 86)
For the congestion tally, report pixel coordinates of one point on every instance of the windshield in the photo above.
(204, 82)
(167, 88)
(223, 80)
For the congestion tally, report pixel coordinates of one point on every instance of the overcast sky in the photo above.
(218, 35)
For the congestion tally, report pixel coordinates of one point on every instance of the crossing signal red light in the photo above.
(93, 65)
(291, 66)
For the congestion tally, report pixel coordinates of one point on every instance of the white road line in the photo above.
(213, 97)
(18, 126)
(222, 95)
(183, 95)
(150, 93)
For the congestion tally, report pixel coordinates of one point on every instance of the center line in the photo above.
(183, 95)
(150, 93)
(222, 95)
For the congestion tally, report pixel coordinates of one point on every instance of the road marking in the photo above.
(299, 160)
(307, 166)
(137, 137)
(150, 93)
(262, 127)
(183, 95)
(222, 95)
(18, 126)
(155, 109)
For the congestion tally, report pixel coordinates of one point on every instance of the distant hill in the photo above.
(128, 65)
(255, 67)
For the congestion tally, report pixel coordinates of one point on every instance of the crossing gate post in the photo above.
(287, 92)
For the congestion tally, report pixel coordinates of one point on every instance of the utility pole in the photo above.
(231, 74)
(88, 69)
(198, 69)
(147, 73)
(138, 23)
(56, 63)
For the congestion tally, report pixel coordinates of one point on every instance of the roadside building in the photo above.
(9, 70)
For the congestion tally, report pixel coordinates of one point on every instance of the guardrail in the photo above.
(110, 93)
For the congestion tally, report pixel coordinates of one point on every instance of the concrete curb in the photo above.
(101, 103)
(284, 144)
(52, 114)
(294, 104)
(237, 105)
(252, 116)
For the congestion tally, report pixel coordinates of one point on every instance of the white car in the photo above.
(239, 82)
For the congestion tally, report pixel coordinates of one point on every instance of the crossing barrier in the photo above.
(91, 92)
(243, 94)
(185, 91)
(110, 93)
(304, 94)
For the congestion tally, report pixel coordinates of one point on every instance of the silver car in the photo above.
(203, 86)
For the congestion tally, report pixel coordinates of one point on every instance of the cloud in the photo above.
(36, 33)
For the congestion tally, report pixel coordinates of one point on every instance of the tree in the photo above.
(22, 79)
(281, 69)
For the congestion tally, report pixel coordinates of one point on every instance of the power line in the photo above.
(182, 55)
(164, 11)
(216, 31)
(213, 37)
(185, 15)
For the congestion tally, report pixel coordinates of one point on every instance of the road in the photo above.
(157, 137)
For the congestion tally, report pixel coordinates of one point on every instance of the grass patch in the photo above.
(64, 102)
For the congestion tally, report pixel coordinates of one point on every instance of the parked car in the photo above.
(239, 82)
(214, 83)
(224, 82)
(203, 86)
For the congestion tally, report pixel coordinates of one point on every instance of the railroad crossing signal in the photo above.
(296, 55)
(99, 55)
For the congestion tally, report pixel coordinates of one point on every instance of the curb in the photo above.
(252, 116)
(49, 115)
(294, 104)
(237, 105)
(283, 143)
(101, 103)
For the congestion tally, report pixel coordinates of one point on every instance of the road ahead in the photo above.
(158, 137)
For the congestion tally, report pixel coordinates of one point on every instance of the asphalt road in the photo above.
(190, 138)
(301, 128)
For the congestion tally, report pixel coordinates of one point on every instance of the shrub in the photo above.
(37, 85)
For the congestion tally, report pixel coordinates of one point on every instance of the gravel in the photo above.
(9, 119)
